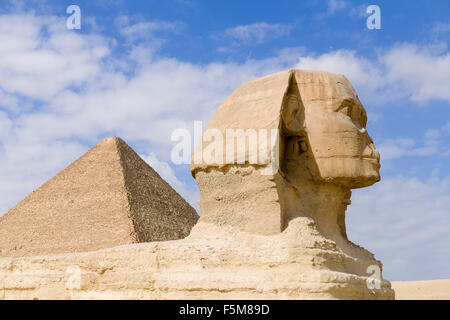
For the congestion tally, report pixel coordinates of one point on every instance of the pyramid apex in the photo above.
(110, 140)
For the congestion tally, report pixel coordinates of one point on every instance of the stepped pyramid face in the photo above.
(106, 198)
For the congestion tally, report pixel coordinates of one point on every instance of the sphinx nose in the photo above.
(370, 150)
(375, 153)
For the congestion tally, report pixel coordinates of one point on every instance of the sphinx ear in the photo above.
(293, 110)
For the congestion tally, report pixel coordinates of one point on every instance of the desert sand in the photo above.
(422, 290)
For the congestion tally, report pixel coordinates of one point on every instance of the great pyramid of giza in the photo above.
(106, 198)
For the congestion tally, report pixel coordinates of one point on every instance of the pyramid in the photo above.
(106, 198)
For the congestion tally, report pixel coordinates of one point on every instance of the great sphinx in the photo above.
(272, 224)
(319, 152)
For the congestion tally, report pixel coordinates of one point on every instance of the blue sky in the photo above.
(141, 69)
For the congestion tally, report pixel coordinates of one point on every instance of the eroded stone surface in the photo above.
(223, 264)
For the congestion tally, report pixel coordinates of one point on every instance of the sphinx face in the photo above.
(340, 145)
(325, 137)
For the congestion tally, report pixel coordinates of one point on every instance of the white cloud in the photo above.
(333, 6)
(423, 73)
(404, 71)
(8, 101)
(441, 27)
(430, 144)
(83, 92)
(395, 148)
(25, 165)
(357, 12)
(256, 33)
(5, 126)
(336, 5)
(432, 134)
(446, 127)
(362, 73)
(87, 93)
(404, 219)
(144, 29)
(39, 66)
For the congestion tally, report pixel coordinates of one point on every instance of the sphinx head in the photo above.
(322, 150)
(323, 132)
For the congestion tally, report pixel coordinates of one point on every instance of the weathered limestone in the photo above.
(272, 228)
(298, 263)
(108, 197)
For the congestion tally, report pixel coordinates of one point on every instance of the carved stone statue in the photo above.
(321, 151)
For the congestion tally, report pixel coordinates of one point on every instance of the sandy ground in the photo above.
(422, 290)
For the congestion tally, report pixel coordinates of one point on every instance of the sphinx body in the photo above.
(299, 192)
(272, 224)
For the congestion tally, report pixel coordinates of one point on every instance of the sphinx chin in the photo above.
(353, 183)
(352, 173)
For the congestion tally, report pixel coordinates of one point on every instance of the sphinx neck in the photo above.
(325, 203)
(249, 201)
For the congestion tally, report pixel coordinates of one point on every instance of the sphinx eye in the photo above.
(345, 110)
(346, 107)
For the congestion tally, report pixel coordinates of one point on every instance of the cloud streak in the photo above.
(80, 91)
(403, 71)
(431, 144)
(254, 34)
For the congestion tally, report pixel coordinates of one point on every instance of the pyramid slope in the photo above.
(158, 212)
(87, 207)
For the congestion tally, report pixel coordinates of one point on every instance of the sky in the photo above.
(142, 69)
